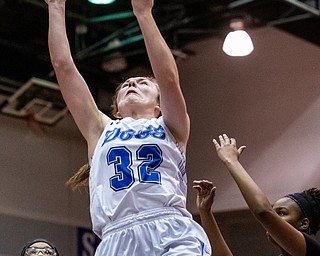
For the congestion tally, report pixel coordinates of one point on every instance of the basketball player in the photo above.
(137, 177)
(291, 222)
(39, 246)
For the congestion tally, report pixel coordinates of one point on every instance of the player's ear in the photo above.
(117, 115)
(157, 111)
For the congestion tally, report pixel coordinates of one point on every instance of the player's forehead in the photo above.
(40, 245)
(286, 203)
(137, 79)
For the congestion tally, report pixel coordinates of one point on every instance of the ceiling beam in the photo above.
(290, 19)
(92, 50)
(304, 7)
(112, 16)
(238, 3)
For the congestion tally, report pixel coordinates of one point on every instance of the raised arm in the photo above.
(285, 235)
(75, 91)
(205, 198)
(172, 103)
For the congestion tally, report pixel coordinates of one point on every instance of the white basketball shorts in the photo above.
(160, 231)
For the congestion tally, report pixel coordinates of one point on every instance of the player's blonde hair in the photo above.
(80, 178)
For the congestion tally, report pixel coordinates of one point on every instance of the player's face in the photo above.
(289, 211)
(40, 248)
(137, 91)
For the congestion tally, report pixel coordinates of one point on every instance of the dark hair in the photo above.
(38, 240)
(313, 196)
(309, 204)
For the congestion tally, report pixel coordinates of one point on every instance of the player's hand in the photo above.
(206, 194)
(227, 149)
(142, 6)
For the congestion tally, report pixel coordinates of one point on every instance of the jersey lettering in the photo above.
(117, 133)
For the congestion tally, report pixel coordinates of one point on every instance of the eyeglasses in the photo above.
(46, 251)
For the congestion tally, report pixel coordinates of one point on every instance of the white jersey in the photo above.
(136, 166)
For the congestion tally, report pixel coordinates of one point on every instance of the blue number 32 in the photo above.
(150, 157)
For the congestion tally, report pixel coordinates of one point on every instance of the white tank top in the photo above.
(136, 166)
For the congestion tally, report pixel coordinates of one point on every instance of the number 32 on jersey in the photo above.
(150, 157)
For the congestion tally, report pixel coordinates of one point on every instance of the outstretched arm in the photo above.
(172, 103)
(75, 91)
(285, 235)
(205, 198)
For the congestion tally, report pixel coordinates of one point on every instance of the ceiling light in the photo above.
(114, 63)
(238, 42)
(101, 1)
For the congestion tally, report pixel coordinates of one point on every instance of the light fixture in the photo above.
(238, 42)
(114, 63)
(38, 100)
(101, 1)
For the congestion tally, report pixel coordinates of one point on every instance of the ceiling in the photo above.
(110, 32)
